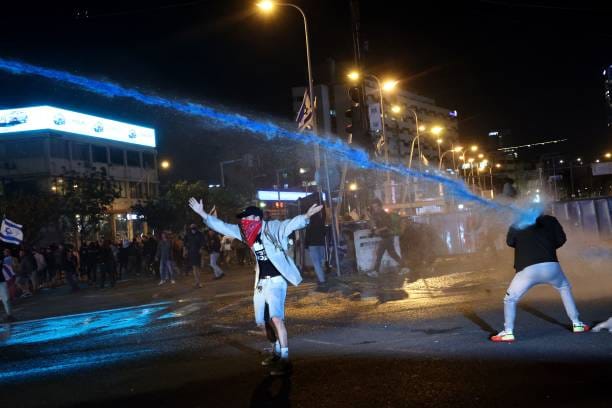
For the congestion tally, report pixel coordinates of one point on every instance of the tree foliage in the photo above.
(87, 198)
(34, 210)
(171, 210)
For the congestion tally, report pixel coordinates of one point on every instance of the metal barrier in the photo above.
(589, 218)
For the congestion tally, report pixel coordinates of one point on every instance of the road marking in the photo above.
(327, 343)
(238, 293)
(221, 326)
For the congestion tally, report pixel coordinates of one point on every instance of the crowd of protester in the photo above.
(26, 270)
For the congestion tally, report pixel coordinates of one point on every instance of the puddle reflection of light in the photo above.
(66, 363)
(63, 327)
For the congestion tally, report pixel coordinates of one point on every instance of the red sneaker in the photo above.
(581, 328)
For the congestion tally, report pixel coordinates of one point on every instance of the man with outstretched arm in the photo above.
(535, 260)
(269, 241)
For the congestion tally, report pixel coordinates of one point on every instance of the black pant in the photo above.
(106, 269)
(72, 278)
(386, 245)
(90, 270)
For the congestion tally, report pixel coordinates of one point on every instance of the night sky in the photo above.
(532, 67)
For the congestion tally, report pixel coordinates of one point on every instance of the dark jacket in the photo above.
(213, 244)
(315, 231)
(536, 243)
(193, 243)
(381, 220)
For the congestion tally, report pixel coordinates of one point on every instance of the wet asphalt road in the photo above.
(362, 343)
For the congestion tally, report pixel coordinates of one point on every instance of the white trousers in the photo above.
(542, 273)
(4, 296)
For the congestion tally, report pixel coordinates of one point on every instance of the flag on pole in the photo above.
(10, 232)
(305, 113)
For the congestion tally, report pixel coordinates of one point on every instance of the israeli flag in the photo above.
(10, 232)
(304, 116)
(7, 271)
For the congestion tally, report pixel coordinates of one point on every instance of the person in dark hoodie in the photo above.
(535, 260)
(194, 242)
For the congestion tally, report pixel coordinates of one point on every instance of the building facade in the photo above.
(41, 146)
(400, 127)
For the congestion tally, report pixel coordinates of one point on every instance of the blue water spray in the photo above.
(269, 130)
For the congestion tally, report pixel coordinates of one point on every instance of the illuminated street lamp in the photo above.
(396, 109)
(389, 85)
(165, 164)
(353, 75)
(436, 130)
(383, 86)
(474, 148)
(608, 155)
(353, 186)
(480, 155)
(454, 150)
(266, 6)
(498, 166)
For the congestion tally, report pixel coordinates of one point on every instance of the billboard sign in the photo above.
(50, 118)
(601, 169)
(272, 195)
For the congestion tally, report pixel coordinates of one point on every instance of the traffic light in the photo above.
(354, 117)
(352, 113)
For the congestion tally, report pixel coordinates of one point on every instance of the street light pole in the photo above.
(384, 131)
(314, 129)
(416, 139)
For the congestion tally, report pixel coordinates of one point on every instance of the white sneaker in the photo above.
(161, 282)
(173, 281)
(503, 337)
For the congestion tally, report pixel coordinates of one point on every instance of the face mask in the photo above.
(250, 230)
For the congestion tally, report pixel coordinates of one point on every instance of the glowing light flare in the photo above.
(353, 75)
(265, 6)
(389, 85)
(436, 130)
(353, 186)
(474, 148)
(165, 164)
(396, 109)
